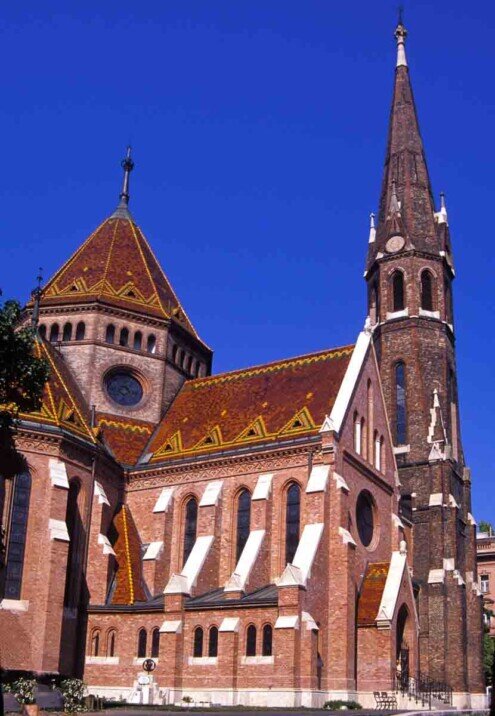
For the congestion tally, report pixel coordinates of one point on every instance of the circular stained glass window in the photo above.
(364, 518)
(124, 388)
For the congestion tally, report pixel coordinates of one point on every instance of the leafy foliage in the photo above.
(488, 654)
(23, 689)
(22, 379)
(337, 705)
(73, 691)
(485, 526)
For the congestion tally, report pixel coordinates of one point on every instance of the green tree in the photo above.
(22, 378)
(485, 526)
(488, 652)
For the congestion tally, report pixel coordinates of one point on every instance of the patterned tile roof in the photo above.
(63, 404)
(371, 593)
(265, 403)
(116, 266)
(129, 583)
(125, 437)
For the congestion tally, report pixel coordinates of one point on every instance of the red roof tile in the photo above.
(125, 437)
(371, 593)
(265, 403)
(129, 587)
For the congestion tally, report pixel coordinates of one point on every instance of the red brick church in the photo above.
(277, 535)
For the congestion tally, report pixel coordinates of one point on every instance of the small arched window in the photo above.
(175, 350)
(181, 358)
(197, 371)
(138, 340)
(251, 640)
(292, 519)
(448, 303)
(111, 639)
(378, 451)
(243, 521)
(54, 330)
(42, 330)
(151, 344)
(266, 647)
(80, 331)
(189, 364)
(95, 643)
(400, 404)
(110, 333)
(213, 642)
(141, 647)
(374, 303)
(190, 526)
(124, 336)
(67, 332)
(198, 643)
(426, 291)
(398, 292)
(357, 433)
(364, 439)
(155, 643)
(16, 506)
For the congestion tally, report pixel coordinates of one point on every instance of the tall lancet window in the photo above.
(243, 521)
(190, 526)
(426, 291)
(400, 404)
(14, 516)
(292, 519)
(398, 292)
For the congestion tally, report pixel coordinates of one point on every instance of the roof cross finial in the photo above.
(122, 211)
(372, 229)
(36, 294)
(400, 35)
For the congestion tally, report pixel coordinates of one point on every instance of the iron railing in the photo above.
(422, 689)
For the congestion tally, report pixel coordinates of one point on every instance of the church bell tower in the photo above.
(409, 274)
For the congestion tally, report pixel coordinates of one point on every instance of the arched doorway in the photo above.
(402, 646)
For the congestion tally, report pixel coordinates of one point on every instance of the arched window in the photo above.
(400, 404)
(378, 451)
(151, 344)
(155, 643)
(67, 332)
(110, 333)
(42, 330)
(243, 521)
(138, 340)
(364, 439)
(197, 372)
(141, 646)
(74, 528)
(426, 291)
(190, 526)
(213, 642)
(175, 350)
(292, 518)
(15, 520)
(357, 433)
(398, 293)
(266, 646)
(124, 336)
(382, 454)
(251, 640)
(181, 358)
(54, 333)
(95, 643)
(198, 643)
(189, 364)
(448, 302)
(111, 640)
(80, 331)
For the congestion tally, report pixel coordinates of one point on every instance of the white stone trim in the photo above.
(453, 501)
(471, 520)
(257, 660)
(328, 425)
(14, 605)
(58, 530)
(229, 624)
(349, 382)
(153, 550)
(101, 494)
(307, 619)
(263, 487)
(102, 660)
(183, 583)
(202, 660)
(164, 500)
(107, 547)
(436, 499)
(401, 449)
(211, 494)
(177, 584)
(318, 478)
(397, 522)
(429, 314)
(449, 564)
(287, 622)
(246, 561)
(58, 473)
(340, 482)
(171, 626)
(291, 577)
(436, 576)
(347, 538)
(391, 590)
(307, 548)
(397, 314)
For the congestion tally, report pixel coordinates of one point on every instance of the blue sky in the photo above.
(258, 129)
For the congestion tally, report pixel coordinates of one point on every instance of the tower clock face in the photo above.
(394, 244)
(123, 388)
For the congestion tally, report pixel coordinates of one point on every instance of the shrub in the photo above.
(23, 690)
(73, 691)
(187, 699)
(337, 705)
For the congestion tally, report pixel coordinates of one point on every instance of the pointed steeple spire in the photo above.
(406, 189)
(36, 296)
(122, 210)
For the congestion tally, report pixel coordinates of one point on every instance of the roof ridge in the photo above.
(271, 365)
(107, 263)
